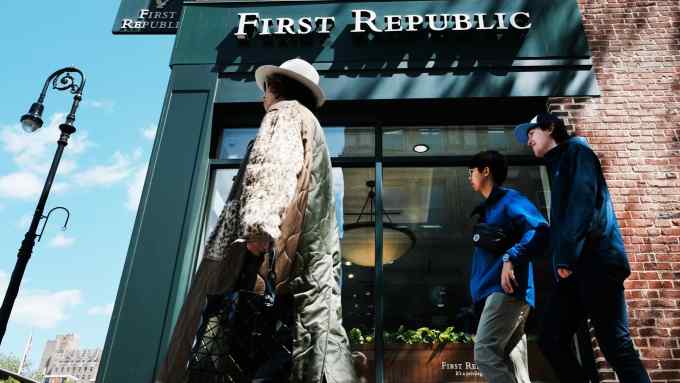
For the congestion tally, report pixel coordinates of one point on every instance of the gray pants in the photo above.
(500, 344)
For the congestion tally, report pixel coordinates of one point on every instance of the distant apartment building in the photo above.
(60, 379)
(63, 359)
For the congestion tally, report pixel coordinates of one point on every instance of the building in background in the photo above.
(60, 379)
(63, 361)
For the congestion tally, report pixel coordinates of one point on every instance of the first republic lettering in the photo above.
(152, 19)
(251, 24)
(365, 18)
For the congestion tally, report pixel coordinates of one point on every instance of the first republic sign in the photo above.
(251, 24)
(160, 17)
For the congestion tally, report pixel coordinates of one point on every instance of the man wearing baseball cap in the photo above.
(588, 256)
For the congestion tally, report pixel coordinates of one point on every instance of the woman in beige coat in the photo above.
(286, 202)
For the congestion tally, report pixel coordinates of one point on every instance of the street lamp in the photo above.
(62, 80)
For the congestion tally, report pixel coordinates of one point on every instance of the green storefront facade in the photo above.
(452, 77)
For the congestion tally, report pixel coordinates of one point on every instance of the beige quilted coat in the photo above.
(289, 161)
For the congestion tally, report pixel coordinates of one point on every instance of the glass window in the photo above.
(350, 141)
(221, 187)
(358, 250)
(341, 141)
(450, 140)
(219, 192)
(426, 282)
(427, 248)
(234, 142)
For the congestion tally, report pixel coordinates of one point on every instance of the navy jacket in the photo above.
(508, 207)
(584, 235)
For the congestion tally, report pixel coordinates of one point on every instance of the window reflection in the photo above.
(234, 142)
(426, 291)
(341, 142)
(445, 140)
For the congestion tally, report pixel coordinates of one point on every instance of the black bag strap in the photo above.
(270, 281)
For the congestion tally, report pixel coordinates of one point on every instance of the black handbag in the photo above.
(241, 331)
(496, 239)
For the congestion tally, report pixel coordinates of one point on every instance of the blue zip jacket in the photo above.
(509, 208)
(584, 230)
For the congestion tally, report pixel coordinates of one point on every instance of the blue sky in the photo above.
(71, 281)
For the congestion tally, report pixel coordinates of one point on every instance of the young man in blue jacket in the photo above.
(502, 279)
(589, 259)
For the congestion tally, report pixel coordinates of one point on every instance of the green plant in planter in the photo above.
(450, 335)
(422, 335)
(426, 335)
(355, 336)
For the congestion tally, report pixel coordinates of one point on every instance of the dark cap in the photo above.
(541, 119)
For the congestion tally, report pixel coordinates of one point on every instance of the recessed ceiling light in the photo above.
(348, 263)
(350, 276)
(420, 148)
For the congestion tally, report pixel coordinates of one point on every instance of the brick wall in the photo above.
(635, 129)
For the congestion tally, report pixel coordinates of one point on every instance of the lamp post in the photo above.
(61, 80)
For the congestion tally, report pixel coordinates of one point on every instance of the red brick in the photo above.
(652, 331)
(656, 353)
(670, 293)
(645, 322)
(636, 284)
(663, 342)
(670, 364)
(650, 364)
(648, 275)
(661, 284)
(664, 375)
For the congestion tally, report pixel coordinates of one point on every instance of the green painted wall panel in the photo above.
(191, 78)
(424, 85)
(164, 235)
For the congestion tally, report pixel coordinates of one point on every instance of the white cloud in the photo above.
(59, 187)
(61, 240)
(34, 151)
(24, 221)
(41, 308)
(134, 192)
(120, 168)
(107, 105)
(105, 310)
(20, 185)
(137, 154)
(66, 167)
(150, 132)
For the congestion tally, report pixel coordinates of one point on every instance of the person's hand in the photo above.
(563, 273)
(508, 278)
(258, 246)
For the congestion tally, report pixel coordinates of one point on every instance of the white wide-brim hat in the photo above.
(297, 69)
